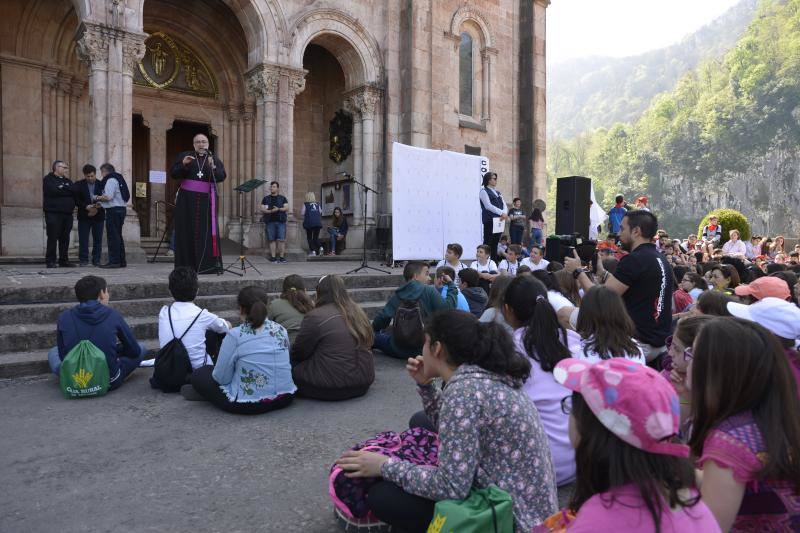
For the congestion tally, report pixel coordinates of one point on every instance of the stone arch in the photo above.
(227, 58)
(351, 44)
(474, 15)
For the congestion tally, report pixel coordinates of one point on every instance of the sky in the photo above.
(620, 28)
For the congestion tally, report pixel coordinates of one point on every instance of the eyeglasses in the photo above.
(566, 405)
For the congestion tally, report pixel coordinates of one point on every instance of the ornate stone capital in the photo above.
(133, 50)
(349, 105)
(92, 47)
(365, 100)
(297, 82)
(263, 82)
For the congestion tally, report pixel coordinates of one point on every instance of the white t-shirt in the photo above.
(490, 266)
(510, 267)
(195, 339)
(558, 300)
(530, 264)
(461, 266)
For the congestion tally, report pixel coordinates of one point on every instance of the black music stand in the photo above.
(246, 187)
(365, 190)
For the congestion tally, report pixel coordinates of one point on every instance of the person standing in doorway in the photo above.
(91, 216)
(197, 243)
(58, 203)
(492, 206)
(114, 203)
(275, 206)
(312, 223)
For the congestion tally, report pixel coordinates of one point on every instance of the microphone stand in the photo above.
(365, 191)
(218, 267)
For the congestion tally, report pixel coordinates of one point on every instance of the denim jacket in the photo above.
(254, 365)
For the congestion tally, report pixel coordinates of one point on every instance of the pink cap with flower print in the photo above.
(632, 401)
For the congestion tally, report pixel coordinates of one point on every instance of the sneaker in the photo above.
(52, 265)
(84, 263)
(273, 259)
(321, 251)
(188, 392)
(282, 260)
(170, 253)
(312, 253)
(67, 265)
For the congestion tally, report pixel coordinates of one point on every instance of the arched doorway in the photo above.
(316, 160)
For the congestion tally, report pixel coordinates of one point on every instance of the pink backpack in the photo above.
(349, 495)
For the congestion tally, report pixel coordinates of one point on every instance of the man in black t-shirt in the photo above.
(275, 206)
(643, 278)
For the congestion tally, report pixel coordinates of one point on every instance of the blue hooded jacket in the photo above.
(103, 326)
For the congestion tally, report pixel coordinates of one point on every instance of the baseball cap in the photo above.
(765, 287)
(631, 400)
(779, 316)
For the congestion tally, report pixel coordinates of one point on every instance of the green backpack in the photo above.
(488, 510)
(84, 372)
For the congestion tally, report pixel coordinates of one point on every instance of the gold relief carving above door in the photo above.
(169, 64)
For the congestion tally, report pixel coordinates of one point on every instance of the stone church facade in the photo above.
(300, 91)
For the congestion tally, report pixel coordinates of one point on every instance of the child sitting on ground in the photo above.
(489, 432)
(196, 325)
(441, 286)
(289, 309)
(92, 319)
(475, 296)
(510, 264)
(253, 374)
(745, 426)
(630, 476)
(452, 258)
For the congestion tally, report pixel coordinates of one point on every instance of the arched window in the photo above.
(465, 75)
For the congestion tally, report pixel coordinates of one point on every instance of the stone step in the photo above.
(208, 286)
(33, 361)
(32, 337)
(48, 313)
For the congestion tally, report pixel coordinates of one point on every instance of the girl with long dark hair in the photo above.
(539, 336)
(337, 231)
(331, 356)
(605, 328)
(252, 374)
(746, 426)
(631, 474)
(489, 432)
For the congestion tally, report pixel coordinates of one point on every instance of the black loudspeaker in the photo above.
(573, 195)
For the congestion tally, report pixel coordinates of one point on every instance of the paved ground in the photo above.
(39, 276)
(141, 460)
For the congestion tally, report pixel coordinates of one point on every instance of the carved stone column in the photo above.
(112, 54)
(366, 101)
(487, 60)
(350, 106)
(292, 83)
(92, 47)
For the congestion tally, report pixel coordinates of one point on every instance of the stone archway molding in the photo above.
(262, 21)
(361, 61)
(473, 14)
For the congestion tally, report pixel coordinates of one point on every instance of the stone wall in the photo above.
(66, 71)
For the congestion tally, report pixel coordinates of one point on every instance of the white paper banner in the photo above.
(435, 202)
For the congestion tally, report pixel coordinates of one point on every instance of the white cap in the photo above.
(779, 316)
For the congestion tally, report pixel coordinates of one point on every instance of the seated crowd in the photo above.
(656, 386)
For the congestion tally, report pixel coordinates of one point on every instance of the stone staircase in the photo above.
(28, 315)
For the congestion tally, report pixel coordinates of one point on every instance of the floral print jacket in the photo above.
(253, 365)
(489, 433)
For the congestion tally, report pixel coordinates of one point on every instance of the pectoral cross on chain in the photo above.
(200, 174)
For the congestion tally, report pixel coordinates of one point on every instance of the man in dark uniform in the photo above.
(58, 203)
(197, 243)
